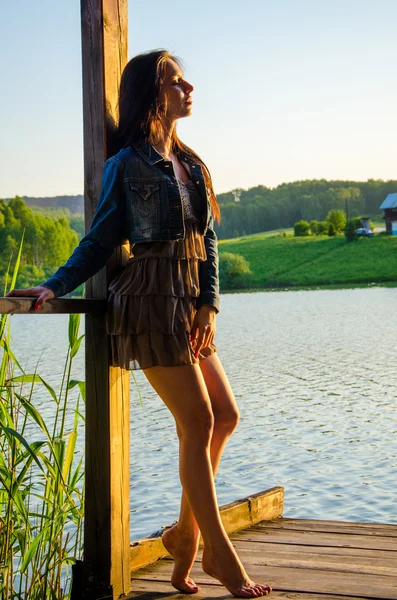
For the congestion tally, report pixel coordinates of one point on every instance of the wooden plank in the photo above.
(323, 554)
(320, 581)
(377, 562)
(371, 529)
(302, 560)
(312, 538)
(58, 306)
(235, 516)
(361, 524)
(294, 580)
(105, 571)
(323, 565)
(154, 590)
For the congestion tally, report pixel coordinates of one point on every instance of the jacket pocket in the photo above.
(144, 196)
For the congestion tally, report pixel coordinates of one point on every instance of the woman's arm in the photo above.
(209, 271)
(97, 245)
(203, 327)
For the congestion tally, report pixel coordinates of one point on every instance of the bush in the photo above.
(313, 227)
(234, 271)
(350, 230)
(322, 228)
(331, 230)
(356, 222)
(301, 229)
(338, 219)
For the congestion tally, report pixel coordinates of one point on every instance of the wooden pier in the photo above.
(300, 559)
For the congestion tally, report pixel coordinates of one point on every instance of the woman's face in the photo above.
(176, 92)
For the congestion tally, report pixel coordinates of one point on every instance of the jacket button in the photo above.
(197, 182)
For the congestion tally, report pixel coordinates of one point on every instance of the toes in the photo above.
(195, 588)
(264, 590)
(250, 592)
(187, 586)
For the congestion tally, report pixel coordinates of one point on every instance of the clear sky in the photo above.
(284, 89)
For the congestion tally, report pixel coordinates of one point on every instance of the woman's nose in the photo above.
(188, 86)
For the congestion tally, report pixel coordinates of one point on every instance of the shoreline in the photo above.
(313, 287)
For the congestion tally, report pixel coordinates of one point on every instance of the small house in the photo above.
(389, 205)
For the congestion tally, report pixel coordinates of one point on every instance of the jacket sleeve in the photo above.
(209, 272)
(105, 234)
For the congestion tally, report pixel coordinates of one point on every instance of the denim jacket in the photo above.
(140, 202)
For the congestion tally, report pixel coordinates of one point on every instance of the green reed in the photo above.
(41, 479)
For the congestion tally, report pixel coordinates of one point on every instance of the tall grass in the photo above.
(41, 480)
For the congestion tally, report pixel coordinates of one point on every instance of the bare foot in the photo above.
(227, 568)
(183, 550)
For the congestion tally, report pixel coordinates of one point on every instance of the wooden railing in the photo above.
(59, 306)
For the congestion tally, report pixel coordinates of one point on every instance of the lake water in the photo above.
(314, 374)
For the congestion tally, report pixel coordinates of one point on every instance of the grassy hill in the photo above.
(278, 261)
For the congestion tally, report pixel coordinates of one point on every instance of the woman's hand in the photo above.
(42, 293)
(203, 328)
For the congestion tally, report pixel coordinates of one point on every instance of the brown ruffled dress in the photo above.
(152, 303)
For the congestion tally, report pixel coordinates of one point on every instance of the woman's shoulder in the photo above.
(122, 155)
(124, 159)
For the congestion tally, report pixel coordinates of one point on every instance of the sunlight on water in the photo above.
(315, 379)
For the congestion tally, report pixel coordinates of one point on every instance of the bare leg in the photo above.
(182, 539)
(184, 391)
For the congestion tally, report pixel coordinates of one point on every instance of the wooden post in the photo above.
(105, 570)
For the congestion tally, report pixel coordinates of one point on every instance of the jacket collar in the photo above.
(148, 152)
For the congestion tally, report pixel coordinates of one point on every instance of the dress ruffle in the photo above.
(158, 276)
(152, 304)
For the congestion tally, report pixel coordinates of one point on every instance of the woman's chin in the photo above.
(187, 111)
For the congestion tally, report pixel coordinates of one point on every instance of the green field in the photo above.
(280, 262)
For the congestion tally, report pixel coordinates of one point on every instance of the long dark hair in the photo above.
(141, 111)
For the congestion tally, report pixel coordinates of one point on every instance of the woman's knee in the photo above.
(199, 428)
(227, 420)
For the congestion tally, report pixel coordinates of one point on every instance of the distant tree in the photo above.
(263, 209)
(47, 242)
(313, 227)
(338, 219)
(77, 223)
(301, 229)
(234, 271)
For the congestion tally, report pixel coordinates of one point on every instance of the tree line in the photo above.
(51, 234)
(47, 241)
(263, 209)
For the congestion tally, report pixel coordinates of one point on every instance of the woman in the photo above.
(157, 193)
